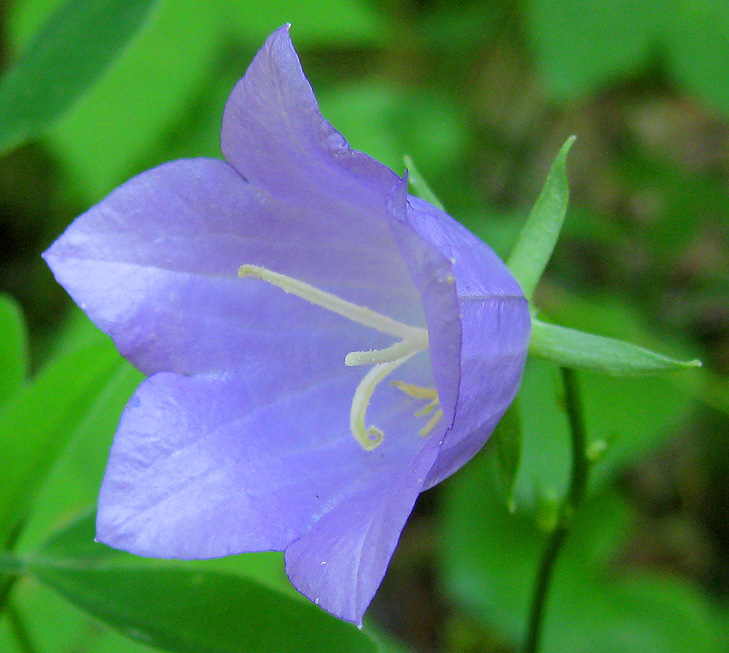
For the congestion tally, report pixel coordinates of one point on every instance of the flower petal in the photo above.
(275, 136)
(205, 466)
(494, 334)
(155, 266)
(340, 564)
(432, 273)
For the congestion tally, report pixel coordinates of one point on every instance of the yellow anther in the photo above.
(420, 392)
(415, 391)
(428, 408)
(431, 423)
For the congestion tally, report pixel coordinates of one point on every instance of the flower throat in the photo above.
(411, 340)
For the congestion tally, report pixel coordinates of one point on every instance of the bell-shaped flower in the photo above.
(321, 347)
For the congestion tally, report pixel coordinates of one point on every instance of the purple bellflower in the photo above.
(321, 346)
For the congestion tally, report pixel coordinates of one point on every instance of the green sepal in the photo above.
(585, 351)
(419, 186)
(541, 230)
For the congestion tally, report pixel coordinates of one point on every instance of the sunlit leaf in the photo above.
(326, 22)
(115, 130)
(37, 423)
(627, 415)
(582, 45)
(698, 48)
(65, 58)
(73, 481)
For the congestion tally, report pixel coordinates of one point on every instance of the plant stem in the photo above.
(578, 483)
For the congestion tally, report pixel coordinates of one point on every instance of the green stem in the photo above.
(578, 484)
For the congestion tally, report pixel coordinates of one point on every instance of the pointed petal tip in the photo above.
(280, 39)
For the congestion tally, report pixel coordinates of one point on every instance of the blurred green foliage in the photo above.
(481, 93)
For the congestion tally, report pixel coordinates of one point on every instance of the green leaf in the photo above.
(66, 57)
(507, 438)
(13, 348)
(631, 415)
(178, 607)
(698, 48)
(541, 230)
(65, 491)
(585, 351)
(37, 423)
(594, 604)
(343, 22)
(419, 185)
(116, 129)
(580, 45)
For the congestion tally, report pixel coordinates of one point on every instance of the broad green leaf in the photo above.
(73, 482)
(72, 50)
(545, 462)
(586, 351)
(581, 45)
(541, 230)
(385, 121)
(419, 185)
(697, 48)
(38, 422)
(55, 625)
(177, 607)
(13, 348)
(200, 612)
(116, 129)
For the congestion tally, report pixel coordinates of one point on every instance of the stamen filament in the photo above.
(359, 314)
(384, 361)
(391, 353)
(372, 437)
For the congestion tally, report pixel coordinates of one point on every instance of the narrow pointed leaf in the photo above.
(13, 348)
(419, 186)
(37, 423)
(178, 607)
(541, 230)
(577, 349)
(65, 58)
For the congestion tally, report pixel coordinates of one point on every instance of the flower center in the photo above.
(411, 340)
